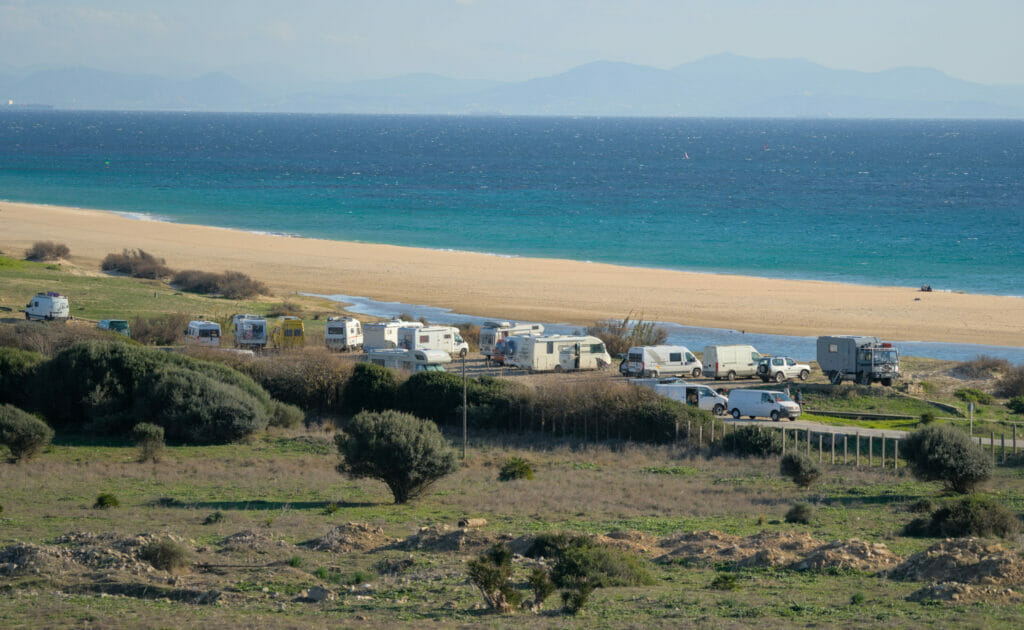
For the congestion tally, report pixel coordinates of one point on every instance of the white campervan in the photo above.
(384, 334)
(202, 333)
(762, 403)
(700, 396)
(409, 360)
(343, 333)
(656, 361)
(731, 362)
(560, 353)
(491, 333)
(444, 338)
(48, 306)
(249, 331)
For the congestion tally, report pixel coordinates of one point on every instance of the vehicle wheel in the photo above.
(26, 315)
(463, 353)
(736, 414)
(775, 415)
(751, 417)
(718, 409)
(731, 376)
(558, 369)
(835, 378)
(887, 382)
(804, 374)
(695, 373)
(779, 377)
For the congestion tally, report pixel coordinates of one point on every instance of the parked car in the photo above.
(116, 325)
(779, 369)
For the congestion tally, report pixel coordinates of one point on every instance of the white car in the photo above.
(779, 369)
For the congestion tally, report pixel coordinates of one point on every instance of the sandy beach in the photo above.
(536, 289)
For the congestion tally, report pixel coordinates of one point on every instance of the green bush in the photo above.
(406, 453)
(725, 582)
(286, 416)
(17, 369)
(800, 513)
(969, 394)
(542, 587)
(313, 380)
(22, 433)
(432, 395)
(946, 454)
(753, 441)
(800, 469)
(515, 468)
(586, 562)
(233, 285)
(149, 439)
(371, 388)
(296, 561)
(165, 555)
(106, 501)
(213, 518)
(491, 573)
(1016, 404)
(621, 335)
(574, 599)
(47, 250)
(970, 516)
(159, 330)
(928, 417)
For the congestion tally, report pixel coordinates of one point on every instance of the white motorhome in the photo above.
(762, 403)
(48, 306)
(731, 362)
(700, 396)
(343, 333)
(249, 331)
(444, 338)
(202, 333)
(384, 334)
(656, 361)
(409, 360)
(560, 353)
(493, 332)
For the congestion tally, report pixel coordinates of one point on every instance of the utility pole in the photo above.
(464, 423)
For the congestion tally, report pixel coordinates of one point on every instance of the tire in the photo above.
(804, 374)
(835, 378)
(775, 415)
(779, 377)
(736, 414)
(463, 353)
(718, 409)
(764, 379)
(887, 382)
(26, 316)
(731, 376)
(558, 369)
(695, 373)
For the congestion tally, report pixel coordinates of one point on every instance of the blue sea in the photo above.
(872, 202)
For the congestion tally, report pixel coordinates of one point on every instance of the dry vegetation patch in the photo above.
(251, 540)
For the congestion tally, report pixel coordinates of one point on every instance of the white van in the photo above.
(444, 338)
(249, 331)
(762, 403)
(384, 334)
(560, 353)
(491, 333)
(731, 362)
(203, 333)
(409, 360)
(343, 333)
(656, 361)
(48, 306)
(700, 396)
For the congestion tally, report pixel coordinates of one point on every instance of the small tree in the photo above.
(800, 469)
(492, 574)
(945, 453)
(22, 433)
(406, 453)
(149, 438)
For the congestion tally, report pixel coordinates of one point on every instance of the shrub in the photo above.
(800, 469)
(22, 433)
(47, 250)
(286, 416)
(921, 506)
(48, 340)
(800, 513)
(165, 555)
(17, 368)
(573, 600)
(137, 263)
(970, 516)
(470, 334)
(1016, 404)
(749, 440)
(515, 468)
(213, 518)
(725, 582)
(406, 453)
(371, 388)
(1011, 384)
(857, 599)
(159, 330)
(583, 561)
(947, 454)
(491, 573)
(296, 561)
(231, 284)
(620, 336)
(542, 587)
(928, 417)
(149, 438)
(312, 379)
(106, 501)
(981, 366)
(969, 394)
(432, 395)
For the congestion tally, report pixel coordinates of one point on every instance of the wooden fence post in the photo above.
(845, 451)
(808, 442)
(689, 435)
(871, 451)
(883, 450)
(700, 437)
(1002, 446)
(1014, 438)
(895, 453)
(992, 443)
(833, 440)
(820, 438)
(858, 449)
(783, 441)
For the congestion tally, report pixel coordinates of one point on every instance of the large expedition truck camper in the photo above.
(865, 360)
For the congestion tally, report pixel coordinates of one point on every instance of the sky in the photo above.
(276, 41)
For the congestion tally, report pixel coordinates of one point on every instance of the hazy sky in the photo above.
(977, 40)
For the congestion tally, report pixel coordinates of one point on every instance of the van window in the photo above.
(755, 356)
(690, 358)
(335, 331)
(833, 347)
(424, 338)
(790, 362)
(597, 348)
(636, 356)
(675, 357)
(551, 347)
(766, 398)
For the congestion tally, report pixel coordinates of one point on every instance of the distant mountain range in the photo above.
(719, 86)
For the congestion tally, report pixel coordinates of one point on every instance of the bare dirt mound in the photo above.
(853, 554)
(965, 593)
(28, 559)
(630, 540)
(79, 552)
(352, 537)
(445, 538)
(963, 560)
(252, 541)
(702, 546)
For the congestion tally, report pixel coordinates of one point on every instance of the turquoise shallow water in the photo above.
(875, 202)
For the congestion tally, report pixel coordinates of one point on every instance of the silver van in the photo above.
(762, 403)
